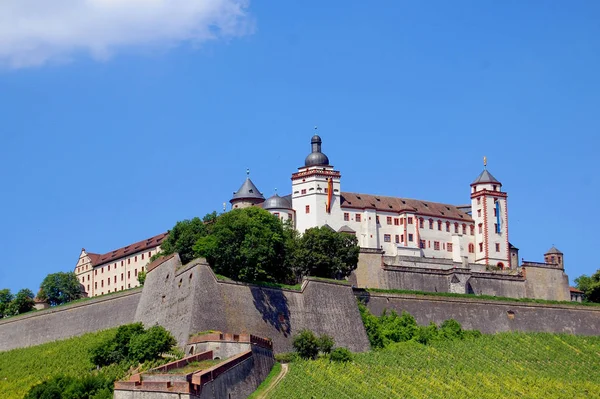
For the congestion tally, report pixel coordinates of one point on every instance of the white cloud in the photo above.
(34, 32)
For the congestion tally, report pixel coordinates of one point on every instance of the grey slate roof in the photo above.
(346, 229)
(277, 202)
(247, 191)
(485, 177)
(316, 157)
(554, 250)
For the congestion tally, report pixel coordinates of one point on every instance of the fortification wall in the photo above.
(190, 299)
(490, 316)
(68, 321)
(442, 275)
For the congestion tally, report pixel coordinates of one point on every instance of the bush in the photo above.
(450, 329)
(62, 387)
(150, 344)
(286, 357)
(133, 343)
(396, 328)
(340, 355)
(372, 326)
(306, 344)
(426, 334)
(325, 343)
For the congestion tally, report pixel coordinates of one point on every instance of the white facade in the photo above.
(404, 226)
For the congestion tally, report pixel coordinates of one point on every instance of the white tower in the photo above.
(490, 214)
(316, 191)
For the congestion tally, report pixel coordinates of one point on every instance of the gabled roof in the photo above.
(346, 229)
(247, 191)
(575, 290)
(485, 177)
(398, 205)
(139, 246)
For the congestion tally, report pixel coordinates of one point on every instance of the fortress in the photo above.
(405, 243)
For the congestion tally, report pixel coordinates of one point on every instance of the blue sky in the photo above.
(114, 129)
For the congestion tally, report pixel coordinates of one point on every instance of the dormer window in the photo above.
(495, 188)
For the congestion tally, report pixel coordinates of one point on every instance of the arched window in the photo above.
(448, 227)
(471, 248)
(501, 265)
(456, 228)
(464, 228)
(439, 225)
(430, 224)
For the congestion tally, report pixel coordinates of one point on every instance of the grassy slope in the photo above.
(20, 369)
(507, 365)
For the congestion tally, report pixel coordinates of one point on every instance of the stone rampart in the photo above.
(67, 321)
(188, 299)
(489, 316)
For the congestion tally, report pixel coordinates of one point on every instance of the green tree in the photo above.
(246, 244)
(306, 344)
(60, 288)
(340, 355)
(590, 286)
(22, 302)
(141, 277)
(150, 344)
(326, 343)
(184, 235)
(323, 252)
(6, 298)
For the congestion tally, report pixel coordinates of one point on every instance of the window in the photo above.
(471, 248)
(480, 247)
(439, 225)
(121, 263)
(480, 228)
(303, 191)
(307, 208)
(495, 188)
(401, 237)
(377, 219)
(325, 189)
(142, 268)
(88, 290)
(108, 281)
(150, 254)
(142, 256)
(456, 228)
(128, 275)
(96, 285)
(101, 283)
(122, 276)
(410, 237)
(449, 247)
(430, 224)
(495, 212)
(128, 285)
(88, 277)
(388, 220)
(276, 214)
(447, 227)
(135, 260)
(396, 222)
(109, 291)
(102, 270)
(135, 272)
(478, 212)
(496, 227)
(108, 267)
(478, 201)
(402, 222)
(472, 229)
(421, 223)
(289, 216)
(464, 226)
(387, 238)
(115, 279)
(357, 217)
(422, 244)
(129, 261)
(409, 220)
(436, 245)
(397, 239)
(346, 216)
(497, 247)
(96, 272)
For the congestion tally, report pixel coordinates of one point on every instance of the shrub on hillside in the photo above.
(133, 343)
(63, 387)
(306, 344)
(396, 328)
(372, 326)
(426, 334)
(286, 357)
(340, 355)
(450, 329)
(325, 343)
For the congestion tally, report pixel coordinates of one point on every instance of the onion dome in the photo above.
(247, 191)
(316, 157)
(277, 202)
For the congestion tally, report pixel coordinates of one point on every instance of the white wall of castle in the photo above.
(118, 275)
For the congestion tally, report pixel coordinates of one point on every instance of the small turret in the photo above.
(554, 257)
(247, 195)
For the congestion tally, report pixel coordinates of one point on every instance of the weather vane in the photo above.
(247, 171)
(485, 162)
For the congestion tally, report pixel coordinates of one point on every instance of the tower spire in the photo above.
(484, 162)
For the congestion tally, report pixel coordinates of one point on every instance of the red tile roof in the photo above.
(140, 246)
(573, 289)
(398, 205)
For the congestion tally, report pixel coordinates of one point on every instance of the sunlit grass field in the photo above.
(506, 365)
